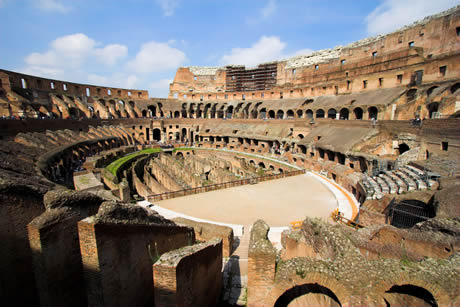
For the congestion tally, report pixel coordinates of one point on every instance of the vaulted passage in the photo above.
(308, 295)
(409, 295)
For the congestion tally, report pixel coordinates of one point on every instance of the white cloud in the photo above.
(110, 54)
(156, 57)
(168, 6)
(72, 51)
(51, 6)
(268, 9)
(266, 49)
(393, 14)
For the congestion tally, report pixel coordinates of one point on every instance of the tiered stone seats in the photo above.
(378, 193)
(383, 185)
(401, 185)
(421, 185)
(411, 185)
(390, 183)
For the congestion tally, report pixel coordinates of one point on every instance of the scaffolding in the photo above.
(240, 79)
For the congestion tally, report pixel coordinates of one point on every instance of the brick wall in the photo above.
(191, 276)
(58, 269)
(117, 262)
(17, 281)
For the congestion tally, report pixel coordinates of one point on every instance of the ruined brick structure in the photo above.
(72, 234)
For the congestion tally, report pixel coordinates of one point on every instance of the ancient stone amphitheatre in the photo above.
(322, 180)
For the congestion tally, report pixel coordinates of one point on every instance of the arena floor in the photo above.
(278, 202)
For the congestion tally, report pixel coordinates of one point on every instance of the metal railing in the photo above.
(220, 186)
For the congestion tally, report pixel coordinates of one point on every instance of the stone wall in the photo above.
(118, 247)
(207, 231)
(261, 264)
(190, 276)
(53, 238)
(19, 205)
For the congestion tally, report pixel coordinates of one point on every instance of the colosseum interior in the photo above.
(85, 171)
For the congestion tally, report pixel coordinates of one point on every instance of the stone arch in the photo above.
(183, 134)
(290, 114)
(358, 113)
(344, 114)
(261, 164)
(332, 113)
(280, 114)
(432, 108)
(263, 113)
(403, 147)
(297, 293)
(411, 94)
(309, 282)
(309, 113)
(229, 113)
(454, 87)
(320, 113)
(156, 134)
(440, 296)
(144, 113)
(176, 114)
(153, 110)
(299, 113)
(271, 114)
(373, 112)
(430, 90)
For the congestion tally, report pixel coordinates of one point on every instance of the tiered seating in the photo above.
(390, 183)
(421, 185)
(401, 185)
(405, 179)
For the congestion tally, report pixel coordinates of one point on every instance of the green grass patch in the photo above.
(115, 165)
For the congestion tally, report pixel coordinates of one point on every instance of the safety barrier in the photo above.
(220, 186)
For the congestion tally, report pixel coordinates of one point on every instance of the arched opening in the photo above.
(411, 94)
(280, 114)
(300, 136)
(430, 90)
(299, 113)
(332, 114)
(344, 113)
(433, 109)
(358, 112)
(176, 114)
(403, 147)
(184, 135)
(309, 114)
(184, 113)
(156, 134)
(263, 113)
(303, 149)
(320, 113)
(454, 87)
(290, 114)
(261, 164)
(271, 114)
(308, 295)
(373, 112)
(230, 112)
(409, 295)
(144, 113)
(153, 110)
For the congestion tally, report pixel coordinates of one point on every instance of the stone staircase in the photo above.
(405, 179)
(235, 272)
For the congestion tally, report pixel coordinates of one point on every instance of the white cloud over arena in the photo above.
(79, 58)
(393, 14)
(266, 49)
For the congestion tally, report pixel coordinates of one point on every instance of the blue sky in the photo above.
(140, 43)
